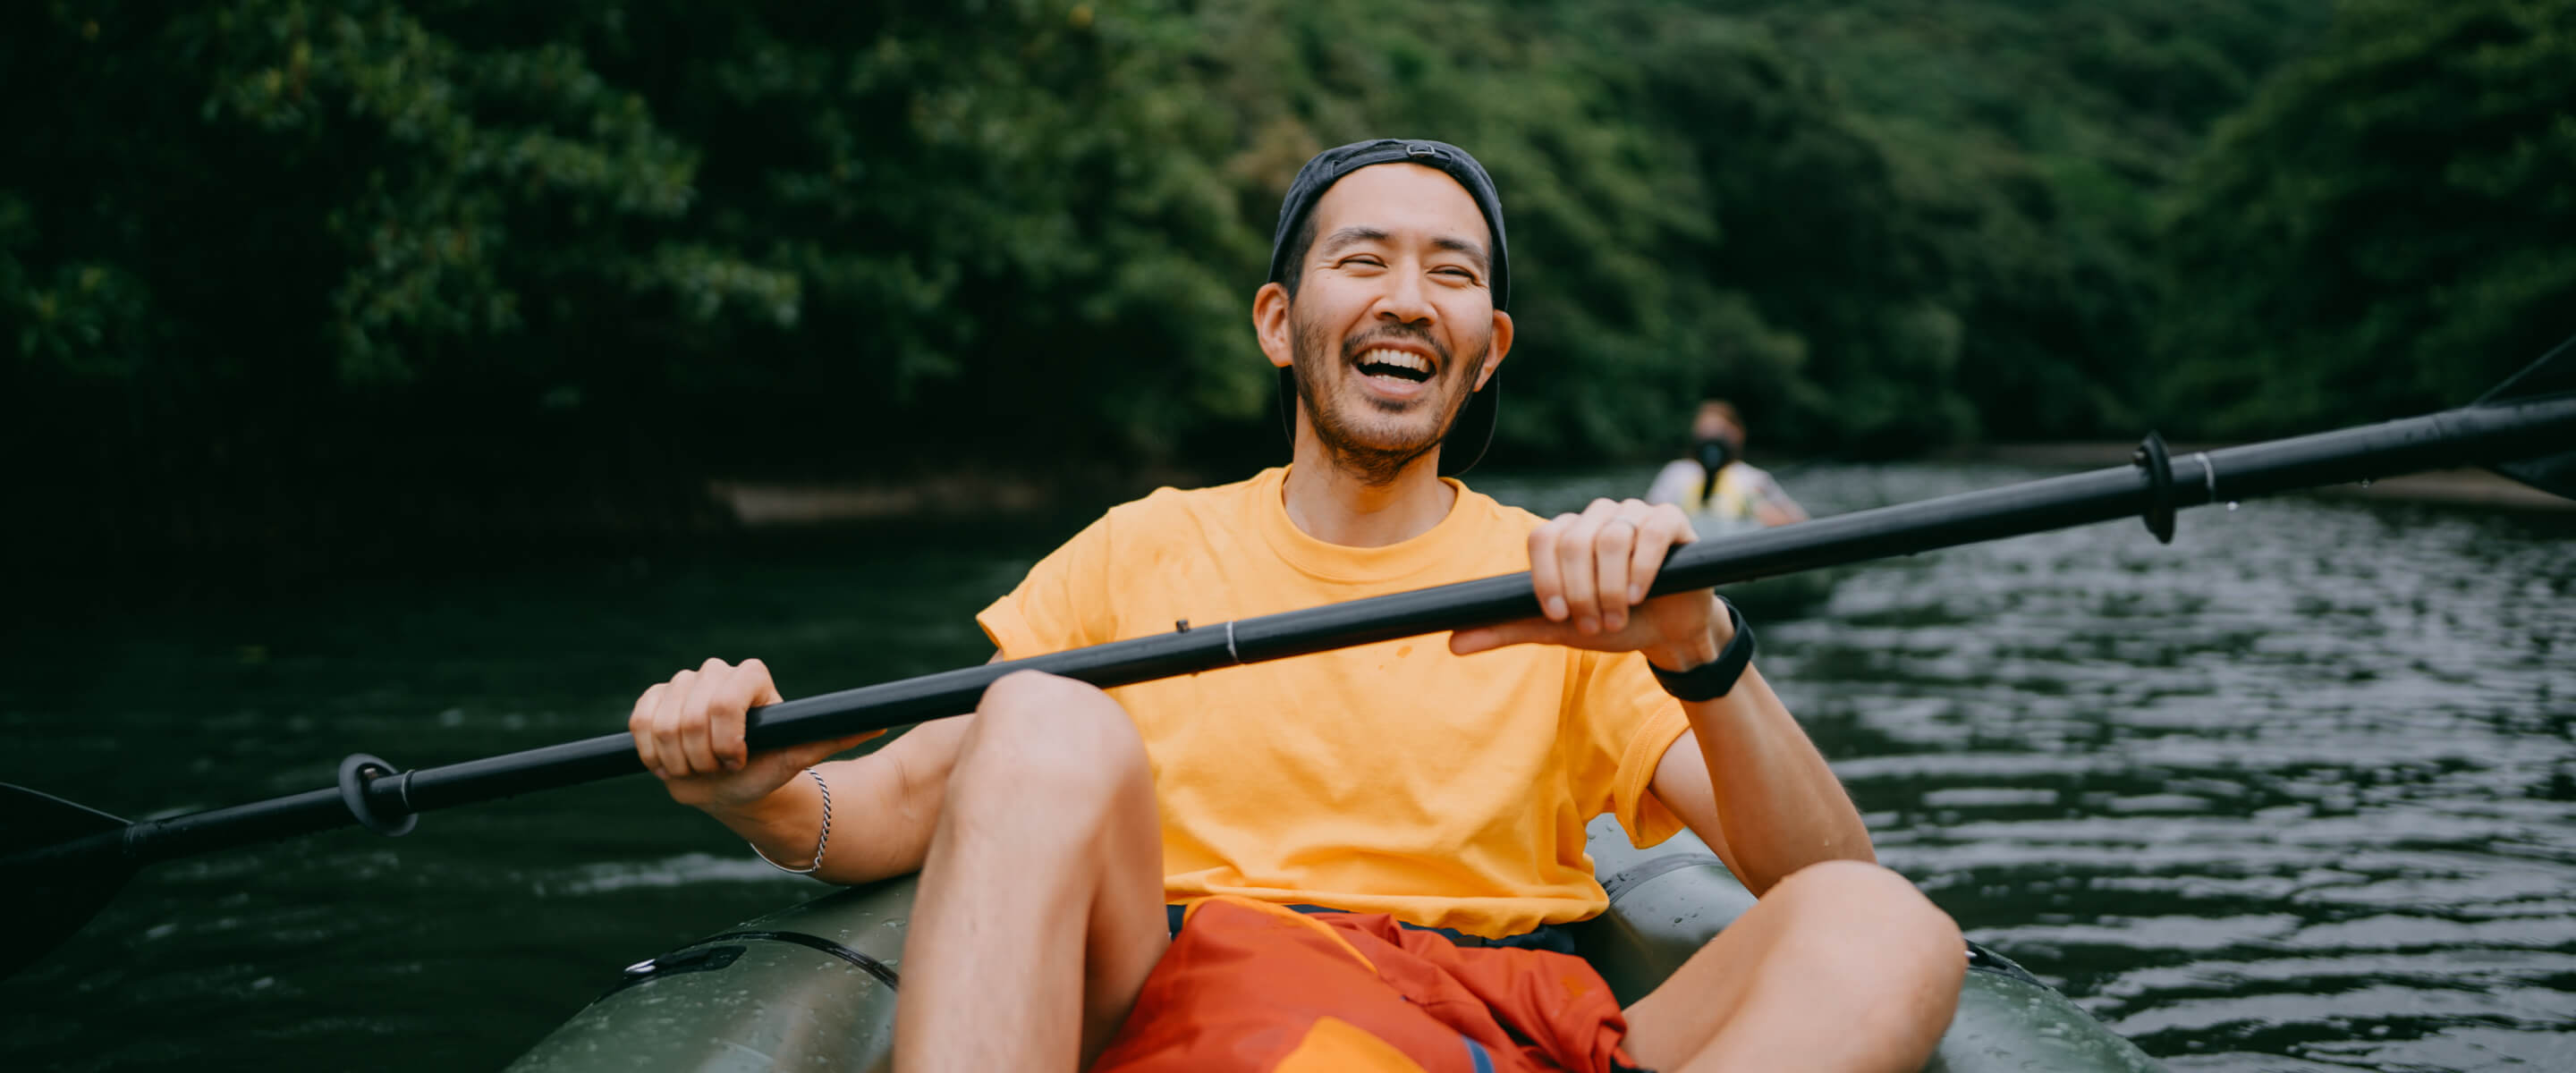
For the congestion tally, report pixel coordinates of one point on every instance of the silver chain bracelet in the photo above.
(819, 843)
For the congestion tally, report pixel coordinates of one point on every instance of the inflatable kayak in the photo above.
(813, 987)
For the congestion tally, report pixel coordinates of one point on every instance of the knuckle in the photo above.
(724, 703)
(713, 665)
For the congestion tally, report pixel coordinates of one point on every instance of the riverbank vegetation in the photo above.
(310, 244)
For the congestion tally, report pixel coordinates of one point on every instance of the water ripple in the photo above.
(2294, 794)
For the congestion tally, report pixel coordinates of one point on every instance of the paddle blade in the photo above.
(55, 892)
(2553, 374)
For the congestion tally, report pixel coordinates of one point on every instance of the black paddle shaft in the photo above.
(2152, 488)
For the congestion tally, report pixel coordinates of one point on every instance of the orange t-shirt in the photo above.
(1395, 778)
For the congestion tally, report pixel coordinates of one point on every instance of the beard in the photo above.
(1360, 437)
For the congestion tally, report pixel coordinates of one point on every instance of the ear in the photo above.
(1270, 324)
(1494, 354)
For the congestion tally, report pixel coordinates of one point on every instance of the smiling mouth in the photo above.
(1403, 365)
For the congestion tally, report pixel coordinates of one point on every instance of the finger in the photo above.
(1610, 558)
(1574, 558)
(708, 700)
(666, 725)
(1663, 530)
(639, 725)
(729, 694)
(725, 738)
(1546, 581)
(1518, 632)
(765, 689)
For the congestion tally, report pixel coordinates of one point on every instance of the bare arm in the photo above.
(1759, 792)
(1775, 507)
(1763, 796)
(689, 732)
(884, 807)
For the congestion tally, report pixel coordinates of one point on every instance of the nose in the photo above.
(1405, 300)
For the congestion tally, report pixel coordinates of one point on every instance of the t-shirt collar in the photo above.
(1337, 562)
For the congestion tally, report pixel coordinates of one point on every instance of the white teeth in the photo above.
(1401, 359)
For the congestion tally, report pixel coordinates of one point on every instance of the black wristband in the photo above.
(1712, 679)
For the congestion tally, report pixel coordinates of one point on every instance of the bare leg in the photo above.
(1842, 966)
(1041, 905)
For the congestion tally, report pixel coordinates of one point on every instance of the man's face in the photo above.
(1393, 325)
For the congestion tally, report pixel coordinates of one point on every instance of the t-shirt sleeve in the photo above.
(1062, 603)
(1766, 488)
(1674, 483)
(1626, 721)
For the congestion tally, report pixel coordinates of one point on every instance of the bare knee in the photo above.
(1043, 739)
(1872, 909)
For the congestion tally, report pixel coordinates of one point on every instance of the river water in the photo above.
(2295, 793)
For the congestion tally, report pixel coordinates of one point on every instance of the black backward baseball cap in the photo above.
(1476, 423)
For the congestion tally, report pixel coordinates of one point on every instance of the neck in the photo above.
(1336, 506)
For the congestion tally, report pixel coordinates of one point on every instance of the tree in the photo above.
(2383, 230)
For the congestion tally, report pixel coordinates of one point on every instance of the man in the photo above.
(1446, 785)
(1715, 483)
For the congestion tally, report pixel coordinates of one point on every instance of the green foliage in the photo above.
(2384, 230)
(2030, 144)
(1028, 231)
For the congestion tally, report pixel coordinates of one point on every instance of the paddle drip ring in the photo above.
(356, 771)
(2152, 457)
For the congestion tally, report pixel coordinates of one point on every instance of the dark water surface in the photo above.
(2297, 793)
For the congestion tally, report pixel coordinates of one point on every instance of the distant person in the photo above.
(1715, 483)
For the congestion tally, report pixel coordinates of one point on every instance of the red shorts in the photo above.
(1257, 987)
